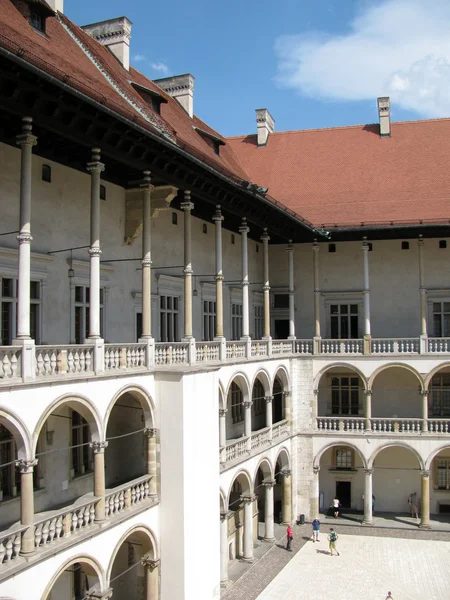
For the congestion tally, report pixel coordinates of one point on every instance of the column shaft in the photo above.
(99, 478)
(269, 414)
(151, 578)
(290, 252)
(365, 248)
(315, 495)
(222, 428)
(287, 497)
(187, 206)
(248, 418)
(266, 287)
(27, 503)
(368, 410)
(243, 230)
(425, 500)
(152, 463)
(268, 516)
(146, 258)
(424, 410)
(248, 528)
(218, 218)
(26, 141)
(368, 517)
(423, 291)
(316, 290)
(223, 548)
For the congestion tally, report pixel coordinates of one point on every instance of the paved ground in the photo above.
(411, 563)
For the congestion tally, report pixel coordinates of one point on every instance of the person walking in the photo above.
(336, 505)
(389, 596)
(316, 529)
(289, 538)
(332, 538)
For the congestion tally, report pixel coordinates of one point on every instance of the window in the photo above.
(440, 396)
(82, 313)
(236, 321)
(369, 244)
(237, 408)
(37, 21)
(258, 398)
(344, 458)
(174, 218)
(209, 319)
(80, 437)
(259, 321)
(168, 315)
(232, 238)
(46, 173)
(331, 247)
(344, 321)
(442, 244)
(102, 192)
(9, 310)
(205, 228)
(9, 475)
(443, 473)
(441, 319)
(344, 396)
(257, 248)
(405, 245)
(281, 301)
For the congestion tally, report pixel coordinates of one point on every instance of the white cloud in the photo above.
(397, 48)
(160, 66)
(138, 57)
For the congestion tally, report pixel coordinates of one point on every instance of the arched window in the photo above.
(258, 399)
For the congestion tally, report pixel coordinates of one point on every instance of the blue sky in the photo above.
(312, 64)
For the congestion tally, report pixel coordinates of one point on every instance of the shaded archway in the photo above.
(438, 382)
(243, 506)
(396, 397)
(340, 395)
(263, 485)
(438, 466)
(78, 576)
(238, 396)
(278, 401)
(260, 391)
(283, 488)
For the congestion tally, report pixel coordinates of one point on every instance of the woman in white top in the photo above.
(336, 505)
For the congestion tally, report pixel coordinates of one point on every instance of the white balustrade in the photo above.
(259, 348)
(303, 346)
(175, 353)
(64, 523)
(346, 424)
(59, 360)
(282, 348)
(438, 426)
(127, 495)
(236, 448)
(207, 351)
(394, 425)
(10, 545)
(435, 345)
(341, 346)
(261, 438)
(124, 356)
(10, 362)
(236, 350)
(395, 346)
(280, 429)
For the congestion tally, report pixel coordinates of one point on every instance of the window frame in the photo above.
(335, 396)
(12, 300)
(83, 305)
(236, 404)
(349, 462)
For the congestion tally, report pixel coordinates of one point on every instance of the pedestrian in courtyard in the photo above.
(414, 510)
(389, 596)
(336, 505)
(316, 529)
(289, 538)
(332, 538)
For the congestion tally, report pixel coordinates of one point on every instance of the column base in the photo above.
(225, 583)
(271, 540)
(424, 526)
(28, 357)
(291, 337)
(247, 560)
(367, 523)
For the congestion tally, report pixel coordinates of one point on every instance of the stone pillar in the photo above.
(224, 548)
(26, 468)
(268, 506)
(290, 253)
(368, 410)
(243, 230)
(368, 517)
(366, 291)
(248, 422)
(151, 567)
(269, 414)
(187, 206)
(95, 167)
(316, 284)
(98, 449)
(26, 141)
(423, 292)
(287, 497)
(248, 527)
(218, 218)
(425, 500)
(266, 287)
(146, 262)
(424, 394)
(223, 427)
(315, 495)
(152, 463)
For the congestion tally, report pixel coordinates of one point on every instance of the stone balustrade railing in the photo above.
(207, 351)
(438, 425)
(261, 348)
(64, 523)
(395, 346)
(175, 353)
(341, 346)
(236, 448)
(340, 424)
(10, 363)
(261, 438)
(394, 425)
(280, 429)
(390, 425)
(236, 350)
(437, 345)
(10, 544)
(127, 495)
(63, 360)
(124, 356)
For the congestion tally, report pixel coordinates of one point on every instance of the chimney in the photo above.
(265, 125)
(384, 113)
(180, 87)
(115, 34)
(57, 5)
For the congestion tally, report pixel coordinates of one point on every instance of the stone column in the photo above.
(315, 495)
(248, 527)
(146, 262)
(367, 330)
(287, 497)
(269, 414)
(243, 230)
(423, 292)
(223, 427)
(95, 167)
(316, 284)
(187, 206)
(218, 218)
(98, 449)
(152, 464)
(224, 548)
(268, 506)
(290, 253)
(368, 517)
(266, 287)
(26, 141)
(26, 468)
(425, 500)
(151, 567)
(368, 410)
(248, 422)
(424, 394)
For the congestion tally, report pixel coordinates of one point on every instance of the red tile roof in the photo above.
(348, 176)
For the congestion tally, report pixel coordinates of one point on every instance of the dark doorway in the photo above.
(281, 327)
(344, 493)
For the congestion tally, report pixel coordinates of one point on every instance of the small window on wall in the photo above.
(281, 301)
(405, 245)
(442, 244)
(343, 321)
(331, 247)
(343, 459)
(37, 22)
(102, 192)
(232, 238)
(441, 319)
(174, 218)
(345, 396)
(46, 173)
(205, 228)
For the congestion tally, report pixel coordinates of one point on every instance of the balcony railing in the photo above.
(261, 438)
(244, 447)
(127, 495)
(11, 544)
(392, 425)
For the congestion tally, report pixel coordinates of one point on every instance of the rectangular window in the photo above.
(237, 408)
(9, 475)
(281, 301)
(259, 321)
(236, 321)
(209, 320)
(168, 315)
(440, 396)
(443, 473)
(343, 321)
(82, 313)
(345, 396)
(80, 445)
(9, 290)
(441, 319)
(344, 458)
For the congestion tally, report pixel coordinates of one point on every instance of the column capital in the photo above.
(368, 471)
(223, 412)
(424, 392)
(248, 403)
(226, 515)
(244, 228)
(286, 472)
(95, 164)
(269, 483)
(150, 432)
(94, 595)
(287, 393)
(266, 287)
(146, 262)
(268, 399)
(26, 466)
(150, 563)
(316, 470)
(26, 138)
(425, 474)
(218, 214)
(315, 246)
(187, 205)
(95, 251)
(25, 238)
(315, 392)
(365, 244)
(219, 277)
(420, 241)
(367, 392)
(265, 236)
(247, 499)
(290, 247)
(98, 447)
(146, 181)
